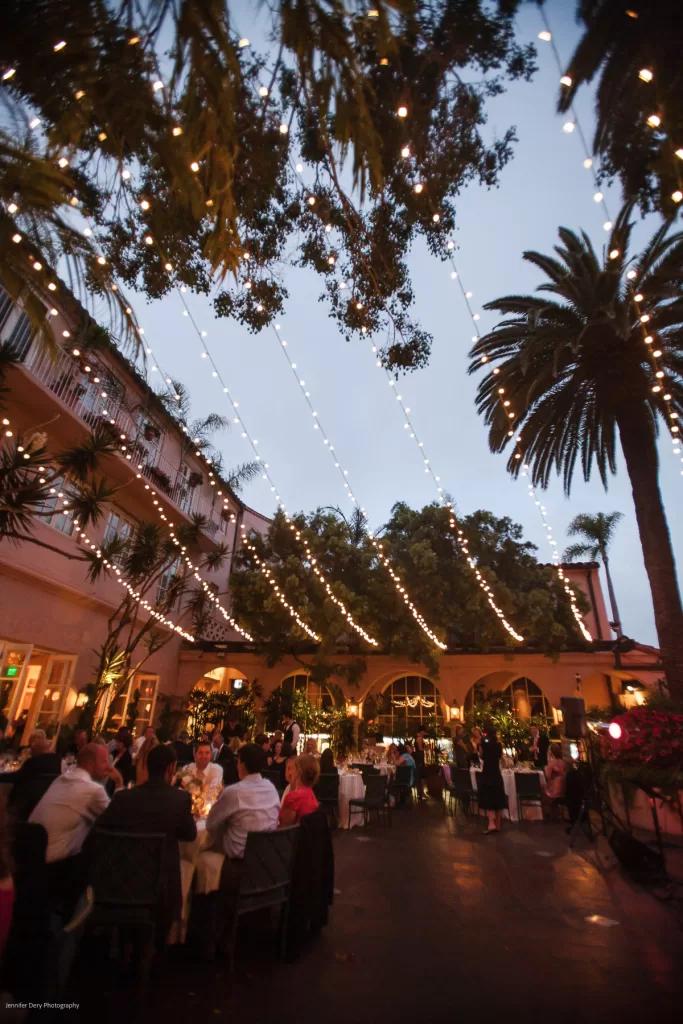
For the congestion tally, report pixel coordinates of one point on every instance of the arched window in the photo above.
(316, 693)
(527, 700)
(408, 703)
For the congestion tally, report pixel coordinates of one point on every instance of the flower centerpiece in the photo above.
(202, 793)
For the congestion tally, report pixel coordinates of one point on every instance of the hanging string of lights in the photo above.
(654, 352)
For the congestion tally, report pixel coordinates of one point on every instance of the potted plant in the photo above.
(151, 432)
(195, 479)
(226, 514)
(162, 479)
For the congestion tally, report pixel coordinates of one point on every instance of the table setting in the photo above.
(531, 812)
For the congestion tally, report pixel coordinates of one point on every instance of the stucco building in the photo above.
(52, 620)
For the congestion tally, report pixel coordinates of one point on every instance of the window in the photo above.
(19, 340)
(167, 579)
(410, 702)
(315, 693)
(118, 526)
(6, 307)
(58, 520)
(527, 700)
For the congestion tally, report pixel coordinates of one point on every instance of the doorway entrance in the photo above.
(34, 685)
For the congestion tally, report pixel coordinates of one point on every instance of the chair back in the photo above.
(63, 947)
(327, 787)
(27, 796)
(528, 785)
(375, 787)
(127, 868)
(268, 863)
(369, 769)
(402, 775)
(28, 849)
(462, 780)
(358, 767)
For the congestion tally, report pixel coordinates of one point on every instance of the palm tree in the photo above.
(598, 532)
(578, 372)
(197, 435)
(616, 46)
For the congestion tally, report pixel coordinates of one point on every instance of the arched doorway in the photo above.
(408, 703)
(222, 680)
(520, 695)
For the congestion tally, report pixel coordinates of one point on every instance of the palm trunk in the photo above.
(612, 596)
(640, 455)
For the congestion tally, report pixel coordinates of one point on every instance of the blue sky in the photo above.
(543, 187)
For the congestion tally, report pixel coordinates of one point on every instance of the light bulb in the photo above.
(284, 129)
(419, 187)
(645, 74)
(263, 91)
(654, 120)
(607, 226)
(125, 175)
(59, 46)
(144, 205)
(402, 111)
(587, 162)
(436, 218)
(158, 85)
(168, 266)
(9, 74)
(149, 240)
(63, 162)
(194, 166)
(565, 80)
(34, 123)
(597, 197)
(644, 318)
(545, 36)
(614, 254)
(16, 238)
(311, 200)
(242, 43)
(37, 265)
(677, 196)
(53, 288)
(631, 275)
(568, 127)
(638, 297)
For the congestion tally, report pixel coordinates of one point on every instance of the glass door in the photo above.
(147, 688)
(14, 663)
(48, 705)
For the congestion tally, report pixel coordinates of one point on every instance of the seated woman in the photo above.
(392, 753)
(405, 757)
(300, 800)
(327, 764)
(556, 780)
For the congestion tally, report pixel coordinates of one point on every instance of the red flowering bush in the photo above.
(648, 737)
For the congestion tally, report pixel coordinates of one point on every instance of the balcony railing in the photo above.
(95, 397)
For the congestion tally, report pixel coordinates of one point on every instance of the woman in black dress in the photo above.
(490, 786)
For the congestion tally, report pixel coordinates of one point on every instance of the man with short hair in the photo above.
(222, 754)
(203, 767)
(79, 740)
(251, 805)
(292, 731)
(74, 801)
(156, 806)
(26, 789)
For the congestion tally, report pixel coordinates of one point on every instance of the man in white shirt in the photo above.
(204, 767)
(74, 801)
(250, 805)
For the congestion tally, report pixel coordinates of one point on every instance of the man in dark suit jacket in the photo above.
(26, 790)
(156, 806)
(222, 754)
(183, 748)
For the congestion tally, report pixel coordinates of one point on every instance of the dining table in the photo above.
(530, 812)
(189, 856)
(351, 787)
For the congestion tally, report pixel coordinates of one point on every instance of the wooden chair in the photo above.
(375, 799)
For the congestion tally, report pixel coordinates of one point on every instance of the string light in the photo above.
(276, 589)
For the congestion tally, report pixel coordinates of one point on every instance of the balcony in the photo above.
(96, 397)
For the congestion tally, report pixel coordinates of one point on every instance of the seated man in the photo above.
(24, 795)
(156, 806)
(67, 811)
(204, 767)
(251, 805)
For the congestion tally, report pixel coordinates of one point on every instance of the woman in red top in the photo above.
(300, 800)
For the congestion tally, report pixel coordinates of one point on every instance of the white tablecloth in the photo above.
(189, 854)
(532, 812)
(351, 787)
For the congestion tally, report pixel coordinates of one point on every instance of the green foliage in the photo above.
(614, 48)
(598, 532)
(336, 78)
(512, 731)
(209, 711)
(422, 550)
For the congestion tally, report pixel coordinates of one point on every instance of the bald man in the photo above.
(74, 801)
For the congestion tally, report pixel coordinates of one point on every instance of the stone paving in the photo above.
(433, 918)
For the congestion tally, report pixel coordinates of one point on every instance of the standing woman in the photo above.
(474, 745)
(492, 798)
(419, 758)
(141, 762)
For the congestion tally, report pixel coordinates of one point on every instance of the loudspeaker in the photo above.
(574, 715)
(640, 862)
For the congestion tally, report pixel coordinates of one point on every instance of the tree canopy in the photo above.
(179, 141)
(421, 548)
(634, 50)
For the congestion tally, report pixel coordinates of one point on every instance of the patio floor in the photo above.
(431, 917)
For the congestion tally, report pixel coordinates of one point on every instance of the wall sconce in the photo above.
(237, 684)
(81, 699)
(353, 709)
(455, 711)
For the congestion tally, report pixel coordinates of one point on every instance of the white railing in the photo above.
(91, 395)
